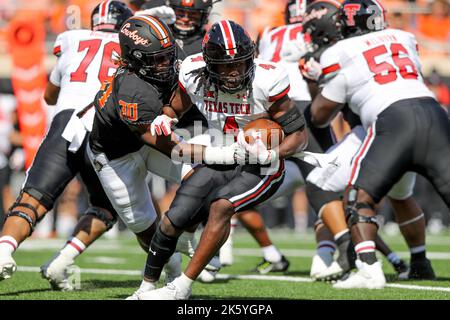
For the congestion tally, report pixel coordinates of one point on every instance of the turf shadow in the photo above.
(16, 293)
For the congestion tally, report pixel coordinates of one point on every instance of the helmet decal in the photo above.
(350, 11)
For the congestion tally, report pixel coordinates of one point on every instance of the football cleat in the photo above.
(333, 272)
(7, 266)
(170, 292)
(145, 287)
(207, 276)
(421, 270)
(367, 277)
(172, 268)
(320, 263)
(402, 269)
(266, 266)
(56, 272)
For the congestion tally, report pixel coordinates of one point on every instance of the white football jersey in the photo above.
(286, 45)
(85, 60)
(233, 111)
(372, 71)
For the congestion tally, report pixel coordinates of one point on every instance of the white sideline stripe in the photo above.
(240, 277)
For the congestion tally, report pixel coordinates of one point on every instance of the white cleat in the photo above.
(170, 292)
(333, 272)
(367, 277)
(172, 268)
(145, 287)
(226, 252)
(57, 272)
(320, 263)
(7, 266)
(207, 276)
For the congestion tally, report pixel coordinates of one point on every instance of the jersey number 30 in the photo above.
(386, 72)
(93, 46)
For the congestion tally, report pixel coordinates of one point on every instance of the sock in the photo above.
(8, 244)
(233, 225)
(393, 258)
(418, 253)
(271, 253)
(183, 282)
(366, 252)
(325, 246)
(73, 248)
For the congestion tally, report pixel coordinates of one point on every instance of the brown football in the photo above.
(270, 132)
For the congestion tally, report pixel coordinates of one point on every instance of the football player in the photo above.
(85, 59)
(230, 88)
(377, 72)
(319, 27)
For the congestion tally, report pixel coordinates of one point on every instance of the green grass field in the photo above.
(111, 269)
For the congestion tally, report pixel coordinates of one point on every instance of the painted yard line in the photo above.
(241, 277)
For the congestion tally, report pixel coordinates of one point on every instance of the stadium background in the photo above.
(28, 30)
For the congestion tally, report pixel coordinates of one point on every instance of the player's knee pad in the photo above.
(101, 215)
(13, 212)
(352, 210)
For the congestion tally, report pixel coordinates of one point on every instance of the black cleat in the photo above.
(421, 270)
(402, 269)
(266, 266)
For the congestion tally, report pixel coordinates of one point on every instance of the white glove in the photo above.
(320, 160)
(310, 69)
(223, 155)
(257, 151)
(165, 13)
(162, 125)
(293, 50)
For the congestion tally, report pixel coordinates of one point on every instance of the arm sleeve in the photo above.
(330, 63)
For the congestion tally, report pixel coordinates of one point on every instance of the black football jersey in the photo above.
(123, 105)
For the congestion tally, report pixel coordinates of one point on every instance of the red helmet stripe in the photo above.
(104, 8)
(228, 37)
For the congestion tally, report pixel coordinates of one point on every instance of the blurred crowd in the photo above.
(428, 20)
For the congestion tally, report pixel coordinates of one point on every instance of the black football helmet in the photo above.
(294, 11)
(191, 16)
(227, 45)
(321, 22)
(148, 48)
(358, 17)
(109, 16)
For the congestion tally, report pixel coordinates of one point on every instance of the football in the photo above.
(270, 132)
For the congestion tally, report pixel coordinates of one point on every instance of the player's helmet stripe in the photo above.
(104, 8)
(157, 27)
(228, 37)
